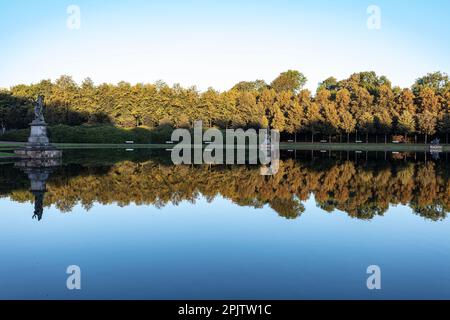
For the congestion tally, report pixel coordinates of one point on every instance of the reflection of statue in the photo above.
(39, 109)
(38, 204)
(38, 171)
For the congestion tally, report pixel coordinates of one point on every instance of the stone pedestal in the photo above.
(38, 134)
(38, 146)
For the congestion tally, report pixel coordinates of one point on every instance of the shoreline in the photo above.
(9, 146)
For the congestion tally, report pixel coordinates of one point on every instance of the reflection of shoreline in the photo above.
(363, 187)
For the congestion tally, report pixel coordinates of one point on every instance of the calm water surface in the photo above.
(139, 227)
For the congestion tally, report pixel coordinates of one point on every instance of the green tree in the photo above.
(330, 84)
(290, 80)
(257, 85)
(436, 81)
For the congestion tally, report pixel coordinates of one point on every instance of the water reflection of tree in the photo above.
(362, 191)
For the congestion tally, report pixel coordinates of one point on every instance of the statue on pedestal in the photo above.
(39, 110)
(38, 146)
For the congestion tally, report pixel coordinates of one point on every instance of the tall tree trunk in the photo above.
(426, 138)
(376, 138)
(367, 138)
(312, 137)
(348, 137)
(329, 138)
(340, 138)
(385, 138)
(295, 136)
(446, 138)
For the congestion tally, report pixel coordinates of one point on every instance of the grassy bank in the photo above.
(99, 134)
(392, 147)
(107, 136)
(283, 146)
(110, 137)
(5, 154)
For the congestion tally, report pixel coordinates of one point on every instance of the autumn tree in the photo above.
(406, 123)
(347, 123)
(383, 123)
(405, 102)
(366, 124)
(313, 118)
(444, 125)
(428, 101)
(374, 105)
(343, 100)
(277, 120)
(329, 114)
(292, 111)
(426, 123)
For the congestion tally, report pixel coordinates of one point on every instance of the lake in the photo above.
(139, 227)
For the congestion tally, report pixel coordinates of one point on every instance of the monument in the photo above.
(38, 146)
(38, 157)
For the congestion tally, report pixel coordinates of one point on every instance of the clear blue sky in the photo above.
(205, 43)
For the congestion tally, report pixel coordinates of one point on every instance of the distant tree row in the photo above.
(364, 104)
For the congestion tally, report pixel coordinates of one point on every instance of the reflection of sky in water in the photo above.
(220, 250)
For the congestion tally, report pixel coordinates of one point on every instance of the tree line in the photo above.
(365, 105)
